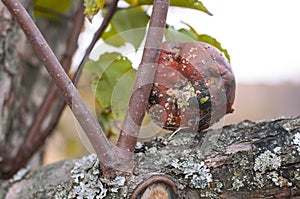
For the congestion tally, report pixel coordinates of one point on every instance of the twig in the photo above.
(70, 93)
(111, 10)
(39, 140)
(52, 94)
(144, 79)
(60, 107)
(36, 137)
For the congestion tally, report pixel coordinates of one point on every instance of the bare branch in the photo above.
(66, 63)
(36, 136)
(70, 93)
(111, 10)
(145, 76)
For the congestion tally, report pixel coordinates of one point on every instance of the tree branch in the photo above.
(245, 160)
(36, 136)
(78, 21)
(144, 79)
(70, 93)
(111, 10)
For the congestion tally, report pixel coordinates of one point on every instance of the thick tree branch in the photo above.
(67, 88)
(245, 160)
(144, 79)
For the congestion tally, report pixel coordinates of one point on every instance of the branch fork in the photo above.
(110, 158)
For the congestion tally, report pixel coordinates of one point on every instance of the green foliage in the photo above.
(92, 7)
(127, 25)
(191, 34)
(121, 95)
(107, 71)
(51, 9)
(181, 35)
(109, 68)
(210, 40)
(193, 4)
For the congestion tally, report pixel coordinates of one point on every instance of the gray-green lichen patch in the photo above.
(87, 183)
(116, 184)
(278, 180)
(296, 141)
(160, 152)
(194, 170)
(237, 182)
(267, 161)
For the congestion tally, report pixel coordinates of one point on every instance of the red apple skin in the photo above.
(194, 86)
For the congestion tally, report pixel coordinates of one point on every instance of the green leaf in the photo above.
(210, 40)
(111, 67)
(121, 95)
(92, 7)
(112, 37)
(181, 35)
(113, 83)
(129, 25)
(193, 4)
(51, 9)
(132, 2)
(98, 67)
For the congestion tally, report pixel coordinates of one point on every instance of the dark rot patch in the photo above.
(193, 88)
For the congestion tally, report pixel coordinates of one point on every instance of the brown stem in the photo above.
(70, 93)
(144, 79)
(36, 136)
(52, 94)
(39, 139)
(111, 10)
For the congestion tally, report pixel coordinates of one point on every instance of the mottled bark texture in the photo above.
(245, 160)
(23, 80)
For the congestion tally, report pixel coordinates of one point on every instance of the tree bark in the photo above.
(245, 160)
(23, 79)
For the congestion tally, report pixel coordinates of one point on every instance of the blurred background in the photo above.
(263, 41)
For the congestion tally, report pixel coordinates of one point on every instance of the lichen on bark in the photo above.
(245, 160)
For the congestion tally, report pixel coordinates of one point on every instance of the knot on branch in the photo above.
(154, 185)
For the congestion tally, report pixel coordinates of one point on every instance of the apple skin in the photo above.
(194, 86)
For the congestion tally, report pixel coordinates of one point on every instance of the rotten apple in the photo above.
(194, 86)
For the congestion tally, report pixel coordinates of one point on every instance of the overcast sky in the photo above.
(262, 36)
